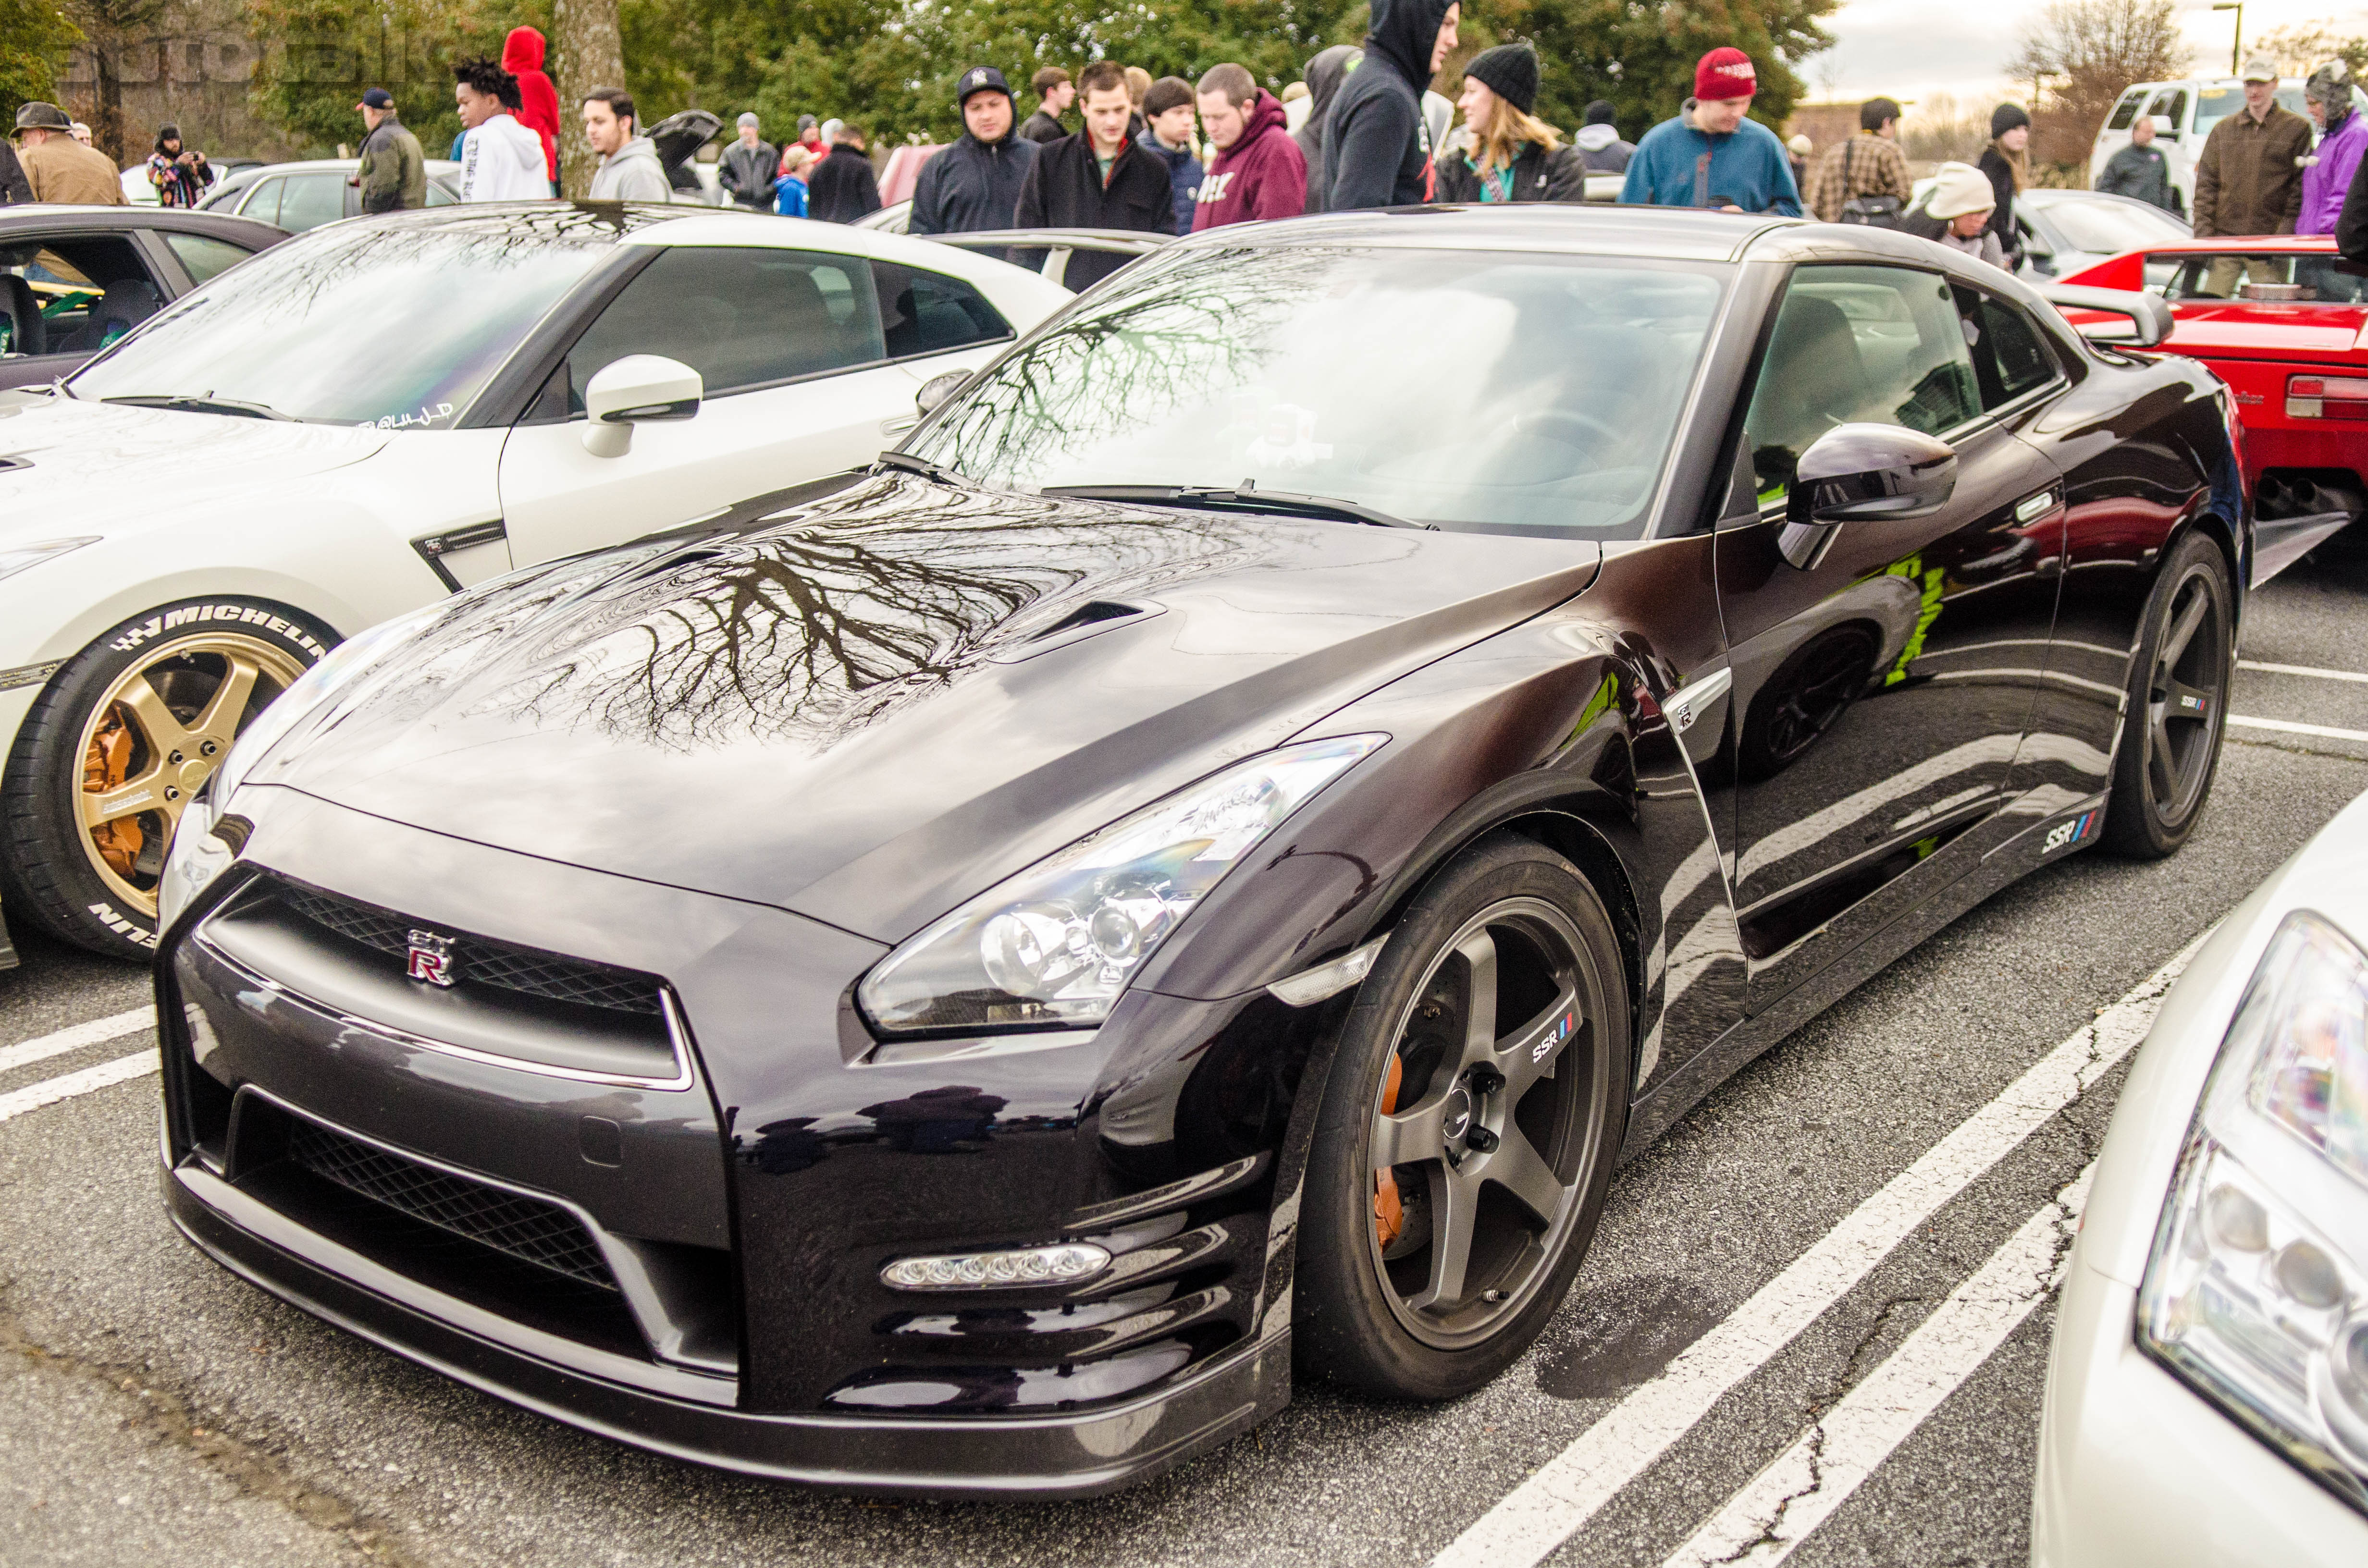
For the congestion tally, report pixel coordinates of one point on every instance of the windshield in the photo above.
(2108, 228)
(2213, 105)
(359, 323)
(1486, 392)
(2309, 278)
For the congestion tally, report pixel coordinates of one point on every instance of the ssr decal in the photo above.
(1561, 1033)
(156, 626)
(2065, 834)
(123, 928)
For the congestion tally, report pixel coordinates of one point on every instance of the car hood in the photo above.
(69, 466)
(869, 708)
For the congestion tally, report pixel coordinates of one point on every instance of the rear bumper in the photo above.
(1013, 1458)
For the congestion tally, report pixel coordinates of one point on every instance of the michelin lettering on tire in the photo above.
(243, 615)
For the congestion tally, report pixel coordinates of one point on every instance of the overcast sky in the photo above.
(1911, 48)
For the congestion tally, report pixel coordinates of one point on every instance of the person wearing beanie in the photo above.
(2326, 173)
(1864, 179)
(1713, 155)
(1324, 76)
(1599, 144)
(1168, 136)
(2006, 162)
(2140, 171)
(1258, 171)
(538, 104)
(179, 176)
(749, 167)
(1957, 213)
(1510, 154)
(1377, 146)
(974, 183)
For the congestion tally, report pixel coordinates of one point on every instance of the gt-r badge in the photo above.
(430, 958)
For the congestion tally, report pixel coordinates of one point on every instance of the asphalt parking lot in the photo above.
(1767, 1293)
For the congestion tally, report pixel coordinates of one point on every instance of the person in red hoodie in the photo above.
(522, 57)
(1260, 171)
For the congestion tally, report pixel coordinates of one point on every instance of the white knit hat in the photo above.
(1958, 190)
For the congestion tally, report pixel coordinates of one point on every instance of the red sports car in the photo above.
(2284, 321)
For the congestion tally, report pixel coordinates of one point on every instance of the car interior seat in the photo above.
(127, 303)
(27, 332)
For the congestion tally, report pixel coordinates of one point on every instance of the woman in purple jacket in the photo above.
(2342, 137)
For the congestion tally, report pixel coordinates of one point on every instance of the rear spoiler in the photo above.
(2144, 321)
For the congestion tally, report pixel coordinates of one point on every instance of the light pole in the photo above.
(2236, 44)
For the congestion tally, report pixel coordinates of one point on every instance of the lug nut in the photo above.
(207, 749)
(1480, 1140)
(175, 758)
(171, 793)
(1487, 1080)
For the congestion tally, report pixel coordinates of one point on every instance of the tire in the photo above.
(2176, 709)
(114, 747)
(1378, 1309)
(1805, 697)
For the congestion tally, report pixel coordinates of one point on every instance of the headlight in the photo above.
(344, 663)
(195, 857)
(2256, 1291)
(17, 557)
(1057, 943)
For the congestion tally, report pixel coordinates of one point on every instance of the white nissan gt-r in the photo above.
(385, 411)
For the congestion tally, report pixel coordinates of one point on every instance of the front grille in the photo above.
(526, 1227)
(481, 959)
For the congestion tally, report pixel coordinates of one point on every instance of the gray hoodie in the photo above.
(631, 173)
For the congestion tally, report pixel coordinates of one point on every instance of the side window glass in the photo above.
(263, 201)
(440, 196)
(2126, 111)
(1857, 345)
(2008, 349)
(2171, 103)
(91, 291)
(205, 256)
(927, 312)
(311, 200)
(742, 318)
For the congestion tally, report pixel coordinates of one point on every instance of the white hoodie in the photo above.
(502, 161)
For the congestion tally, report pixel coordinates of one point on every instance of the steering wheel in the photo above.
(1540, 421)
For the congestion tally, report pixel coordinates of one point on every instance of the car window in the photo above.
(927, 312)
(1875, 345)
(742, 318)
(440, 196)
(2213, 105)
(90, 291)
(310, 200)
(2171, 103)
(263, 201)
(2311, 278)
(2126, 111)
(204, 255)
(2102, 226)
(2011, 353)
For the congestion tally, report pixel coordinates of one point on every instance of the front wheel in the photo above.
(107, 760)
(2176, 709)
(1468, 1130)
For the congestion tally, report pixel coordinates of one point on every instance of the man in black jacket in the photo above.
(749, 167)
(1053, 93)
(842, 187)
(974, 183)
(1377, 150)
(1098, 178)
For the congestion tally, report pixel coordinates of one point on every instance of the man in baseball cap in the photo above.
(974, 183)
(2248, 177)
(1712, 154)
(392, 172)
(59, 168)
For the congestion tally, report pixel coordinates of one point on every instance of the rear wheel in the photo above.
(2175, 711)
(107, 760)
(1468, 1130)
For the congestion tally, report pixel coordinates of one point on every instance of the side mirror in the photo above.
(937, 389)
(1863, 473)
(2163, 126)
(624, 393)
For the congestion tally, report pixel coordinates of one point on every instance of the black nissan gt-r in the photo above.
(948, 979)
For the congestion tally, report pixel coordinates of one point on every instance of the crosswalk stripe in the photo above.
(2289, 726)
(99, 1031)
(2311, 670)
(50, 1091)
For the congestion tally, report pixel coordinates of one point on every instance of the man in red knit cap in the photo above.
(538, 112)
(1712, 154)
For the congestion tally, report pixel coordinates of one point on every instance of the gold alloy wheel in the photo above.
(154, 740)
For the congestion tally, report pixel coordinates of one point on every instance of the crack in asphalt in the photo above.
(166, 1416)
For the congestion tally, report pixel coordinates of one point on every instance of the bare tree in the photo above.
(589, 51)
(111, 29)
(1941, 130)
(2304, 47)
(2093, 49)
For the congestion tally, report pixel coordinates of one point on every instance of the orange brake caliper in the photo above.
(103, 768)
(1389, 1214)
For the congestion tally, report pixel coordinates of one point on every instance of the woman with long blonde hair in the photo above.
(1508, 154)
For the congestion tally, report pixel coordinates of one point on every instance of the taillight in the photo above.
(2326, 397)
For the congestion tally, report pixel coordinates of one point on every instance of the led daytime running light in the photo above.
(1064, 1265)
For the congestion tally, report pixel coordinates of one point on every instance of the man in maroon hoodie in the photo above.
(539, 111)
(1260, 171)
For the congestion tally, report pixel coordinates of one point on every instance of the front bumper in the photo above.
(1055, 1455)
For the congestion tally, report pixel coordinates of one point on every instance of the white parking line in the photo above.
(50, 1091)
(2289, 727)
(1802, 1487)
(1572, 1487)
(2311, 670)
(99, 1031)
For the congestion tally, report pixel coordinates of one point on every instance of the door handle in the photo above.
(2032, 508)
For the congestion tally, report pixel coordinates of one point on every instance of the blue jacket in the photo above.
(1184, 174)
(790, 196)
(1747, 168)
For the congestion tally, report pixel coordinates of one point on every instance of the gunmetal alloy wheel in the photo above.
(1468, 1131)
(2177, 707)
(113, 751)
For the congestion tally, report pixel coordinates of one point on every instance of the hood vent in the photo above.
(1088, 619)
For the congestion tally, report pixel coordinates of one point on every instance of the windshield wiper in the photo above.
(1245, 496)
(206, 405)
(922, 466)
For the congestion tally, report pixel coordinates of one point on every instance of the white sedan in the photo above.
(384, 410)
(2207, 1398)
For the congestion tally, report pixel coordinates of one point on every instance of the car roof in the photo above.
(1669, 233)
(51, 215)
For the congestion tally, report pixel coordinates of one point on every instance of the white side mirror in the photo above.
(2163, 126)
(626, 392)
